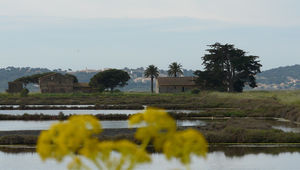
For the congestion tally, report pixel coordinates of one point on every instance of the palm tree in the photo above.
(152, 72)
(175, 69)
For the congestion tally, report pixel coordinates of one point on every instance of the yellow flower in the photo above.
(132, 151)
(75, 164)
(136, 119)
(77, 138)
(69, 137)
(185, 143)
(159, 126)
(89, 149)
(129, 154)
(105, 148)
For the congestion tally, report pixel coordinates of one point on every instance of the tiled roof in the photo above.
(52, 74)
(176, 81)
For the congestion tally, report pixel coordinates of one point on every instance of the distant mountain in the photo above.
(274, 79)
(287, 77)
(12, 73)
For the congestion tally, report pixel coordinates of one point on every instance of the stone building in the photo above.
(59, 83)
(15, 87)
(175, 84)
(83, 88)
(56, 83)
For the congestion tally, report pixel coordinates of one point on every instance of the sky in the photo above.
(97, 34)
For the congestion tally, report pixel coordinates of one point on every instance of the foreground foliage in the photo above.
(77, 138)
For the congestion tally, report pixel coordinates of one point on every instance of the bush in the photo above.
(195, 91)
(117, 91)
(61, 116)
(24, 92)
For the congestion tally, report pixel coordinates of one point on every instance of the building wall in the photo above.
(56, 83)
(174, 89)
(15, 87)
(85, 90)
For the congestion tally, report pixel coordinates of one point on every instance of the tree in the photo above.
(24, 92)
(35, 78)
(209, 80)
(109, 79)
(152, 72)
(75, 80)
(32, 78)
(175, 69)
(228, 68)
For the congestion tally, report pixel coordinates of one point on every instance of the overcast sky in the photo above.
(97, 34)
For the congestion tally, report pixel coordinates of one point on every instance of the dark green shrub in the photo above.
(117, 91)
(24, 92)
(18, 139)
(61, 116)
(195, 91)
(235, 114)
(22, 106)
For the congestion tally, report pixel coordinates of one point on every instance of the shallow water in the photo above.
(257, 159)
(287, 128)
(66, 112)
(91, 112)
(17, 106)
(42, 125)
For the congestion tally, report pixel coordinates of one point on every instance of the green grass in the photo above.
(289, 97)
(285, 104)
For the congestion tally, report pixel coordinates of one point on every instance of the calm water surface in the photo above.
(9, 125)
(56, 112)
(216, 160)
(91, 112)
(17, 106)
(286, 128)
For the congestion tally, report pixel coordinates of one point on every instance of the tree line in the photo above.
(226, 68)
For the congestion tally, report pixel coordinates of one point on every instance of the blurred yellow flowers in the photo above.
(185, 143)
(159, 127)
(77, 138)
(68, 137)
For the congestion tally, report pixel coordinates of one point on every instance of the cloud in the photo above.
(249, 12)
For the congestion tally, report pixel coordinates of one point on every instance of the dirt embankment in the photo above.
(238, 130)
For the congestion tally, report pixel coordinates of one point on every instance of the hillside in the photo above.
(280, 78)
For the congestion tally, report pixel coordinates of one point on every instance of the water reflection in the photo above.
(252, 158)
(11, 125)
(219, 161)
(242, 150)
(16, 149)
